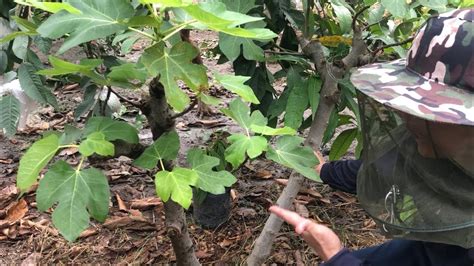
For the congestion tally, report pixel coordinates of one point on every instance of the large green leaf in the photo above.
(241, 145)
(112, 129)
(214, 16)
(33, 86)
(9, 114)
(290, 153)
(35, 158)
(239, 111)
(314, 87)
(231, 47)
(98, 19)
(211, 181)
(343, 15)
(177, 185)
(166, 147)
(172, 65)
(236, 85)
(297, 99)
(77, 192)
(342, 142)
(96, 143)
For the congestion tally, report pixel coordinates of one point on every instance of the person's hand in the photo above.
(321, 161)
(322, 239)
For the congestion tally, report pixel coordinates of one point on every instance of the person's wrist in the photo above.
(325, 242)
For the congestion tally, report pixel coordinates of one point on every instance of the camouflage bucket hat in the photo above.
(436, 80)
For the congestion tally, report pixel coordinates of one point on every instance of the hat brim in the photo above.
(393, 85)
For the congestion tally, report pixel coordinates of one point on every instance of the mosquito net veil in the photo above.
(410, 195)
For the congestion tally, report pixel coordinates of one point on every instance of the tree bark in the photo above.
(330, 74)
(160, 117)
(183, 245)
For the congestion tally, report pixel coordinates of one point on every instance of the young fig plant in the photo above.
(80, 192)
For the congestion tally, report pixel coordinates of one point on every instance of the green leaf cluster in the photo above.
(79, 193)
(172, 65)
(246, 144)
(177, 183)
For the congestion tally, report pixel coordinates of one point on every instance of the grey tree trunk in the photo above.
(161, 120)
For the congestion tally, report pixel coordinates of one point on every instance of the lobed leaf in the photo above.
(236, 85)
(290, 153)
(231, 47)
(209, 180)
(243, 145)
(176, 185)
(166, 147)
(172, 65)
(239, 112)
(97, 19)
(96, 143)
(79, 194)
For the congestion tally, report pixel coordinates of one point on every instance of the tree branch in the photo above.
(381, 48)
(134, 104)
(187, 110)
(356, 16)
(283, 53)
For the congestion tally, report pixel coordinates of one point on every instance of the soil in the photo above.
(134, 231)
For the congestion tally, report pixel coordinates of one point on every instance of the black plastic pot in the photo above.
(211, 210)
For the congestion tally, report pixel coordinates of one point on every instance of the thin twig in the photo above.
(134, 104)
(187, 110)
(375, 23)
(356, 16)
(283, 52)
(391, 45)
